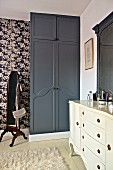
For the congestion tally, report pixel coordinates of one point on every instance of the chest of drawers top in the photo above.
(94, 106)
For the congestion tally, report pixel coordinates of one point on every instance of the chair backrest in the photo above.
(11, 96)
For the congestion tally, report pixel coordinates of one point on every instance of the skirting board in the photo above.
(49, 136)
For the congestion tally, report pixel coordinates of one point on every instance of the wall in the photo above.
(21, 9)
(14, 52)
(94, 13)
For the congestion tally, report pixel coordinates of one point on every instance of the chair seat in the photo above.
(19, 113)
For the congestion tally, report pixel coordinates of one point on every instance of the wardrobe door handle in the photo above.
(55, 88)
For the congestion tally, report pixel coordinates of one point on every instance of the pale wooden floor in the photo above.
(74, 163)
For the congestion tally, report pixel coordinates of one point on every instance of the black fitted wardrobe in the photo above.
(55, 71)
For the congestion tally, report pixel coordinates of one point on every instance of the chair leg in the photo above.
(18, 133)
(3, 133)
(14, 137)
(22, 133)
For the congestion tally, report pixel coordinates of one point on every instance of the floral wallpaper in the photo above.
(14, 53)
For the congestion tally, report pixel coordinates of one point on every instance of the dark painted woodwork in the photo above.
(43, 26)
(14, 131)
(55, 71)
(68, 29)
(13, 94)
(104, 32)
(68, 80)
(42, 83)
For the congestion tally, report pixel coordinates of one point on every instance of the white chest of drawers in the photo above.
(91, 134)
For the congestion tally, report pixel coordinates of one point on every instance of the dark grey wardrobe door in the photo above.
(43, 26)
(68, 29)
(68, 81)
(42, 82)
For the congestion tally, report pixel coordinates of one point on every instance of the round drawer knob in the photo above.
(83, 149)
(83, 113)
(83, 137)
(109, 147)
(98, 166)
(77, 123)
(83, 125)
(98, 135)
(98, 151)
(98, 120)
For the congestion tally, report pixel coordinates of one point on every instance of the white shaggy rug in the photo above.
(33, 159)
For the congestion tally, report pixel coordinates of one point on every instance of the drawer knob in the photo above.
(83, 125)
(83, 137)
(83, 113)
(98, 166)
(83, 149)
(98, 151)
(98, 120)
(109, 147)
(77, 123)
(98, 135)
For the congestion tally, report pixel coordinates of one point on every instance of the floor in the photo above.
(74, 163)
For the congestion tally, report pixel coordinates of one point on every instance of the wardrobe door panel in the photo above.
(68, 80)
(68, 29)
(43, 66)
(43, 26)
(69, 68)
(42, 82)
(62, 115)
(44, 113)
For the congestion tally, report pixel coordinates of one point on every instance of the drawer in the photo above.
(94, 131)
(91, 161)
(94, 146)
(93, 117)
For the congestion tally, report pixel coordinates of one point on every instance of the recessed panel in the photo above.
(43, 66)
(68, 69)
(44, 26)
(44, 120)
(68, 29)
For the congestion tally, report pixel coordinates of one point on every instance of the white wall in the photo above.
(94, 13)
(20, 9)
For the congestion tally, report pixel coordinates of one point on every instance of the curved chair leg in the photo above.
(3, 133)
(22, 133)
(15, 136)
(18, 133)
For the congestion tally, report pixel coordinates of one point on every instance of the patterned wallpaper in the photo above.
(14, 52)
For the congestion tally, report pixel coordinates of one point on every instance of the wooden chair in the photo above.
(14, 113)
(15, 130)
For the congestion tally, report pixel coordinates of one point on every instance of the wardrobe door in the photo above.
(43, 26)
(42, 118)
(68, 29)
(68, 81)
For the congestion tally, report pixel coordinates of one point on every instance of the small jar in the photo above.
(91, 95)
(88, 97)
